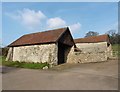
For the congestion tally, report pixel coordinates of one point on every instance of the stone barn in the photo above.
(91, 49)
(49, 46)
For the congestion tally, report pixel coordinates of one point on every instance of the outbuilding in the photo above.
(57, 46)
(95, 43)
(91, 49)
(49, 46)
(94, 48)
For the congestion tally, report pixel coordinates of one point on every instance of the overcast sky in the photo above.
(23, 18)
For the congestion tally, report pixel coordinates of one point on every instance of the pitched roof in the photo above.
(93, 39)
(50, 36)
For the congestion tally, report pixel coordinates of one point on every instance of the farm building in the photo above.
(48, 46)
(91, 49)
(57, 46)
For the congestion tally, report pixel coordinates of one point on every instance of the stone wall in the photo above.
(90, 52)
(67, 51)
(10, 54)
(36, 53)
(109, 51)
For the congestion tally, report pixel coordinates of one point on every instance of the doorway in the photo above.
(62, 48)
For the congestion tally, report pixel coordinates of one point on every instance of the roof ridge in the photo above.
(46, 31)
(92, 36)
(99, 38)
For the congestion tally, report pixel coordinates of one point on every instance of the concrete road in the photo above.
(94, 76)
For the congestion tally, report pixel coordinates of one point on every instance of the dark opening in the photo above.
(61, 53)
(108, 44)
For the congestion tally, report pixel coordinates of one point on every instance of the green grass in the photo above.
(0, 60)
(116, 50)
(22, 64)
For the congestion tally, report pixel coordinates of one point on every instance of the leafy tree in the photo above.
(91, 33)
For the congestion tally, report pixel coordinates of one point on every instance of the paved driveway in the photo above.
(94, 76)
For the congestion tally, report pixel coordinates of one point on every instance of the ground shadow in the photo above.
(5, 69)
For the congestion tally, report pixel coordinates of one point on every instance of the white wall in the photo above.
(92, 47)
(90, 52)
(36, 53)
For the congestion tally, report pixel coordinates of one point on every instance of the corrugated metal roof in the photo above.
(39, 38)
(93, 39)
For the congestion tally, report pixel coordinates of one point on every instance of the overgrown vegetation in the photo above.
(0, 51)
(116, 49)
(5, 51)
(22, 64)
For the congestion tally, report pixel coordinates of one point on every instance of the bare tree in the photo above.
(111, 32)
(114, 36)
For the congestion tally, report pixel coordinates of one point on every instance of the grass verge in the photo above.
(22, 64)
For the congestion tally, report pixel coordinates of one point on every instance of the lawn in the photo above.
(22, 64)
